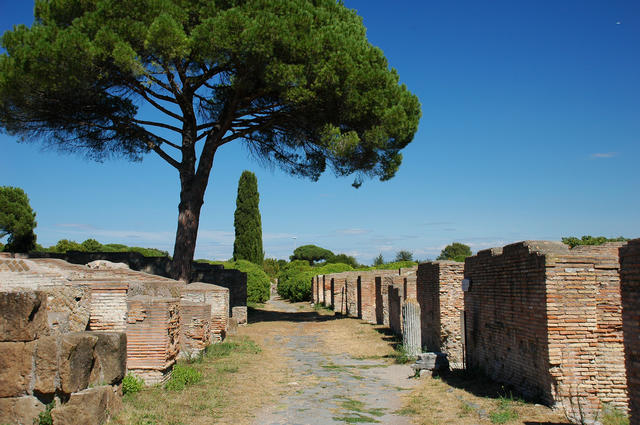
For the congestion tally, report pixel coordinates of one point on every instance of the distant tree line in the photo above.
(573, 241)
(92, 245)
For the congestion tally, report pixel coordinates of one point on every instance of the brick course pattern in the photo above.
(153, 333)
(217, 298)
(630, 282)
(439, 293)
(547, 321)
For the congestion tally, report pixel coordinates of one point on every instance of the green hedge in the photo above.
(294, 280)
(258, 284)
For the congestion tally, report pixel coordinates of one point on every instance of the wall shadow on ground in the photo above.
(256, 315)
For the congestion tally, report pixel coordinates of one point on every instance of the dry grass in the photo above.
(470, 401)
(244, 378)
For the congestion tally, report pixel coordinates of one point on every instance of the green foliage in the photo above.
(272, 267)
(404, 255)
(294, 281)
(311, 253)
(131, 384)
(456, 252)
(572, 241)
(182, 376)
(17, 220)
(396, 265)
(91, 245)
(378, 261)
(344, 259)
(258, 283)
(44, 418)
(247, 221)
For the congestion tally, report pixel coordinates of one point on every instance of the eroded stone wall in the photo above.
(81, 371)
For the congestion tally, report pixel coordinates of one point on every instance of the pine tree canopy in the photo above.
(295, 80)
(247, 221)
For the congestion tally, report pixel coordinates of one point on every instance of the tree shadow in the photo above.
(546, 423)
(480, 385)
(256, 315)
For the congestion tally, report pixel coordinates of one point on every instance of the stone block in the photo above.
(76, 360)
(24, 316)
(46, 372)
(16, 359)
(68, 307)
(20, 410)
(91, 406)
(110, 358)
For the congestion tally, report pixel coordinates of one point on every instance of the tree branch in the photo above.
(157, 124)
(143, 93)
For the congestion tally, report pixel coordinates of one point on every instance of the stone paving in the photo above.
(337, 388)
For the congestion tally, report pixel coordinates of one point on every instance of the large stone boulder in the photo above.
(91, 406)
(20, 410)
(46, 362)
(110, 358)
(76, 361)
(24, 316)
(15, 368)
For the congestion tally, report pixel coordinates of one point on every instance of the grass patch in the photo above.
(505, 412)
(182, 376)
(254, 305)
(360, 408)
(613, 416)
(200, 391)
(131, 384)
(44, 418)
(356, 419)
(401, 356)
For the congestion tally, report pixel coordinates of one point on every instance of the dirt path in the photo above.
(338, 372)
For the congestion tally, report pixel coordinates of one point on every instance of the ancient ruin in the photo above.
(69, 333)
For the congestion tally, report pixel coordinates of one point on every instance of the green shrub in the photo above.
(258, 283)
(182, 376)
(572, 241)
(396, 265)
(44, 418)
(294, 281)
(131, 384)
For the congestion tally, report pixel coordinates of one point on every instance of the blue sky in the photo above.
(530, 130)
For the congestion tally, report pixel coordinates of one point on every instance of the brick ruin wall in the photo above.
(82, 371)
(217, 298)
(439, 293)
(352, 309)
(234, 280)
(338, 288)
(547, 321)
(630, 282)
(153, 337)
(326, 284)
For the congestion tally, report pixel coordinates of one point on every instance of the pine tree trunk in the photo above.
(411, 332)
(186, 236)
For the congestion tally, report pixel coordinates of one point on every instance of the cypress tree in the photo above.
(247, 222)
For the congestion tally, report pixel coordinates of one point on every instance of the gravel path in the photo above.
(337, 388)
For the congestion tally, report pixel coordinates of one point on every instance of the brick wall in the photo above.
(153, 330)
(217, 298)
(547, 320)
(338, 287)
(630, 280)
(395, 296)
(351, 294)
(195, 328)
(326, 284)
(439, 293)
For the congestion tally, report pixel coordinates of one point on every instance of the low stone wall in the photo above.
(439, 293)
(338, 296)
(81, 371)
(195, 328)
(326, 285)
(234, 280)
(630, 288)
